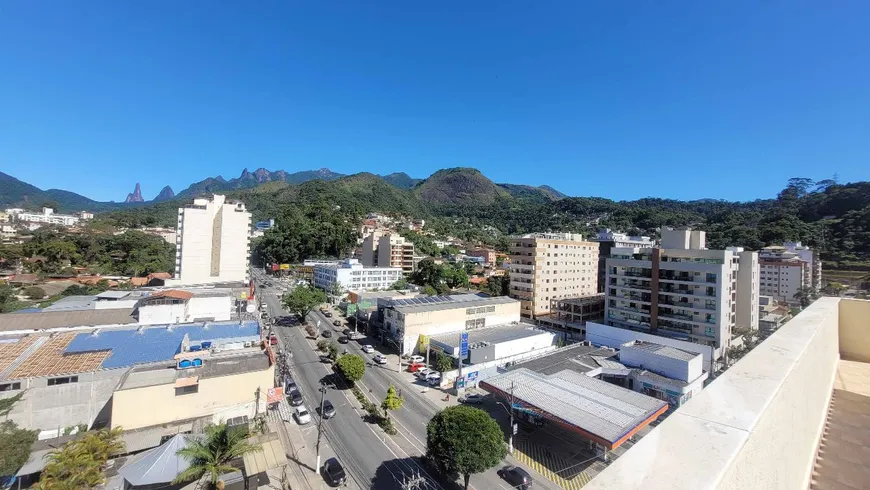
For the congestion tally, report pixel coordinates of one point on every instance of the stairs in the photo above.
(843, 460)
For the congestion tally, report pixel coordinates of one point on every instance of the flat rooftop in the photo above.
(225, 364)
(663, 350)
(492, 335)
(442, 303)
(44, 320)
(579, 358)
(598, 410)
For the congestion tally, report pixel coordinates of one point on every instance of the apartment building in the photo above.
(48, 216)
(682, 290)
(487, 254)
(547, 266)
(213, 242)
(786, 270)
(608, 239)
(388, 250)
(350, 275)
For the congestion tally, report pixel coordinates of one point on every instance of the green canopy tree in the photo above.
(443, 362)
(351, 366)
(391, 402)
(210, 456)
(15, 442)
(464, 440)
(80, 462)
(303, 299)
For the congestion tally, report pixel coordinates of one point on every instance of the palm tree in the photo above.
(211, 455)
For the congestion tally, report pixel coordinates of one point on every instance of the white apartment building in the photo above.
(48, 216)
(350, 275)
(607, 239)
(682, 290)
(786, 270)
(213, 241)
(546, 266)
(388, 250)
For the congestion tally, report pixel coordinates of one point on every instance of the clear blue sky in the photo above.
(621, 99)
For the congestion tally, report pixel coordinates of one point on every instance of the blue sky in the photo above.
(621, 99)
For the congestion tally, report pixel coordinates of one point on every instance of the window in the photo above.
(187, 390)
(63, 381)
(10, 386)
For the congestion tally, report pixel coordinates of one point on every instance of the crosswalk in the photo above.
(544, 462)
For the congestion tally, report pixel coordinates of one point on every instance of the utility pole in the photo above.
(511, 413)
(320, 425)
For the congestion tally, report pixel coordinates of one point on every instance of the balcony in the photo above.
(794, 413)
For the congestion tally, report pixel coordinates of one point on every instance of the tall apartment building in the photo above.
(787, 269)
(212, 242)
(546, 266)
(388, 250)
(607, 240)
(682, 290)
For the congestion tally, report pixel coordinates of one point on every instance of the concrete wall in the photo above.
(748, 290)
(527, 344)
(47, 408)
(666, 366)
(162, 314)
(223, 397)
(614, 337)
(757, 426)
(234, 255)
(855, 330)
(218, 307)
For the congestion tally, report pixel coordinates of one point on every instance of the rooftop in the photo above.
(579, 358)
(63, 319)
(245, 361)
(663, 350)
(604, 412)
(441, 303)
(492, 335)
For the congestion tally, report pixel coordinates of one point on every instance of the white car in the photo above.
(414, 359)
(423, 373)
(302, 415)
(436, 381)
(380, 359)
(433, 375)
(368, 349)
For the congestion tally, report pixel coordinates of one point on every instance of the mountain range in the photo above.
(460, 186)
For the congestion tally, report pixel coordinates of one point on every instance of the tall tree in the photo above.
(303, 299)
(15, 442)
(80, 462)
(351, 366)
(391, 402)
(210, 455)
(464, 440)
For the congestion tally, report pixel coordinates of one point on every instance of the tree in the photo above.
(351, 366)
(806, 296)
(303, 299)
(498, 285)
(15, 442)
(392, 401)
(443, 362)
(429, 291)
(210, 455)
(333, 351)
(34, 292)
(80, 462)
(322, 345)
(464, 440)
(400, 284)
(335, 291)
(834, 288)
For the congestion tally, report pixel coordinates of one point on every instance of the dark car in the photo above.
(327, 334)
(328, 410)
(333, 473)
(517, 477)
(327, 314)
(342, 340)
(337, 323)
(295, 398)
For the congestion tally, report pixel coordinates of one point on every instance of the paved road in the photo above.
(371, 458)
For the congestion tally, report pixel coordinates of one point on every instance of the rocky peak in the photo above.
(136, 195)
(262, 175)
(245, 174)
(165, 194)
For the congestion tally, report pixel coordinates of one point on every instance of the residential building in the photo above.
(607, 240)
(85, 215)
(572, 314)
(48, 216)
(410, 321)
(787, 270)
(179, 306)
(213, 242)
(316, 262)
(488, 255)
(351, 275)
(771, 315)
(791, 414)
(682, 290)
(547, 266)
(388, 250)
(5, 217)
(170, 235)
(8, 233)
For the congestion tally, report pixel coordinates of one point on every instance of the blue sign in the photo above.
(471, 376)
(463, 345)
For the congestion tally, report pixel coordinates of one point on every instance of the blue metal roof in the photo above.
(158, 343)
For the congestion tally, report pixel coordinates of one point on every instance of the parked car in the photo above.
(434, 381)
(368, 349)
(328, 410)
(327, 334)
(337, 323)
(380, 359)
(471, 398)
(342, 340)
(433, 375)
(417, 359)
(327, 314)
(517, 477)
(423, 372)
(333, 473)
(289, 385)
(415, 366)
(295, 398)
(302, 415)
(273, 339)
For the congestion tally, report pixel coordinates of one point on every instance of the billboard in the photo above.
(463, 345)
(285, 267)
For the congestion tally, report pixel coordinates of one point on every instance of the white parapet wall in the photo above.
(757, 426)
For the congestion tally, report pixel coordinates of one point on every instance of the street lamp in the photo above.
(510, 412)
(399, 367)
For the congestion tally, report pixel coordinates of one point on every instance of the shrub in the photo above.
(34, 292)
(322, 345)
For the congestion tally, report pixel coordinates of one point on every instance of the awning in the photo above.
(35, 462)
(271, 456)
(159, 465)
(184, 382)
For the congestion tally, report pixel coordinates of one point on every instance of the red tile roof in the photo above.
(185, 295)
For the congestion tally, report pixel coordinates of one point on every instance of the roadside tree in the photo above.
(303, 299)
(15, 442)
(391, 402)
(464, 440)
(351, 366)
(443, 362)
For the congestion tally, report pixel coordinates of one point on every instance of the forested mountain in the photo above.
(14, 192)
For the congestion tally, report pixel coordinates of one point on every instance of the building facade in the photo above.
(213, 242)
(547, 266)
(607, 240)
(388, 250)
(488, 255)
(787, 270)
(351, 275)
(682, 290)
(48, 216)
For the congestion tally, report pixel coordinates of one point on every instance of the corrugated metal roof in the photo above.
(664, 350)
(600, 408)
(449, 304)
(62, 319)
